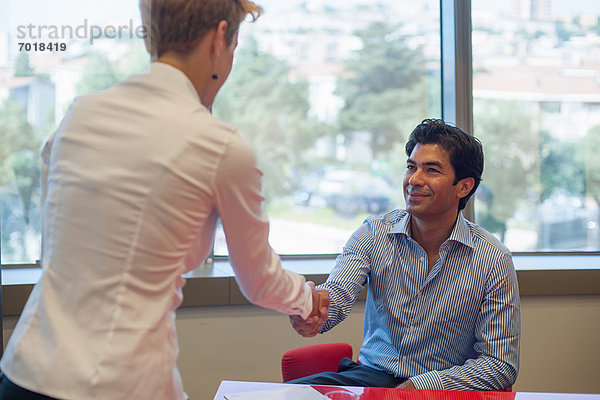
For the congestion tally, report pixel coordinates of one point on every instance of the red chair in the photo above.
(316, 358)
(313, 359)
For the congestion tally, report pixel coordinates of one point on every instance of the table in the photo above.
(228, 387)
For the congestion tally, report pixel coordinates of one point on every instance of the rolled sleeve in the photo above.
(430, 380)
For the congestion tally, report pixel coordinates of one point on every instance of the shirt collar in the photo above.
(460, 232)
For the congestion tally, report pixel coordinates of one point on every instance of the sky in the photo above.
(559, 7)
(113, 12)
(59, 12)
(63, 12)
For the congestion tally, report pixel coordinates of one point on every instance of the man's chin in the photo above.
(414, 210)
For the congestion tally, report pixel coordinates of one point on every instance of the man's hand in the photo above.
(407, 384)
(310, 327)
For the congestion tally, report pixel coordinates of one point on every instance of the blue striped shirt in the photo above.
(457, 327)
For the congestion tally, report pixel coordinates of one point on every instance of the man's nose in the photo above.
(416, 179)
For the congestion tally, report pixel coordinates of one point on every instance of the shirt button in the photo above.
(422, 258)
(419, 294)
(412, 328)
(404, 358)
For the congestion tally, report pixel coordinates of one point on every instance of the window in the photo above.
(536, 91)
(334, 89)
(327, 92)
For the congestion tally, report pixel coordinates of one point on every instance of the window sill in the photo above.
(538, 275)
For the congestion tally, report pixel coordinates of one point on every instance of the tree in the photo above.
(27, 170)
(19, 178)
(102, 73)
(15, 135)
(385, 91)
(511, 172)
(22, 67)
(99, 74)
(562, 167)
(272, 112)
(592, 163)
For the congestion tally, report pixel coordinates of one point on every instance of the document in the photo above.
(297, 392)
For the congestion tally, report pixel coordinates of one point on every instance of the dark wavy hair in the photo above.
(465, 151)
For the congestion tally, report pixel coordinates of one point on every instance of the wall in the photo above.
(560, 346)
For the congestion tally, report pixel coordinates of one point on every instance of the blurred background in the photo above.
(327, 92)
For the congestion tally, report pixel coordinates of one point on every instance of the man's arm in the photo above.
(497, 339)
(345, 282)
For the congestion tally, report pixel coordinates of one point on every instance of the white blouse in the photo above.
(134, 179)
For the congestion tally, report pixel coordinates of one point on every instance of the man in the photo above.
(442, 309)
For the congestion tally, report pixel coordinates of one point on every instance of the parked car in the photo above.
(351, 192)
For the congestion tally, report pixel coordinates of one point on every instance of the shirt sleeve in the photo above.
(497, 339)
(349, 276)
(258, 269)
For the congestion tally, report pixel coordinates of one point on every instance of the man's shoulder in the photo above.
(484, 240)
(387, 220)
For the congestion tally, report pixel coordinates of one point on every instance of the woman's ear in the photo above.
(219, 39)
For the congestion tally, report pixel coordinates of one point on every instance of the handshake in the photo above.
(310, 326)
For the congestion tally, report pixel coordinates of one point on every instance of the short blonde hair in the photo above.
(177, 25)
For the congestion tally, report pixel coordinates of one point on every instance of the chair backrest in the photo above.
(313, 359)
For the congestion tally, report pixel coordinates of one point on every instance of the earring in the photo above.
(214, 75)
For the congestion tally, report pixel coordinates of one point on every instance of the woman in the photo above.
(134, 179)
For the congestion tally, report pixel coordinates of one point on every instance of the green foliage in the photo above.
(19, 179)
(102, 73)
(511, 170)
(16, 135)
(19, 160)
(22, 67)
(271, 112)
(385, 91)
(592, 162)
(562, 167)
(27, 172)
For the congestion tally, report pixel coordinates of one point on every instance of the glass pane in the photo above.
(49, 53)
(536, 90)
(327, 93)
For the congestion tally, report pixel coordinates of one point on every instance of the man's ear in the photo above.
(219, 42)
(464, 186)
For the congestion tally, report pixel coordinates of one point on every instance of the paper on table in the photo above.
(298, 392)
